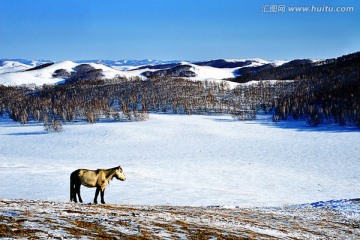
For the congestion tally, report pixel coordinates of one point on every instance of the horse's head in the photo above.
(119, 174)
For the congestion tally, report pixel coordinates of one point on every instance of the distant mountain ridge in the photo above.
(123, 62)
(24, 61)
(38, 72)
(20, 71)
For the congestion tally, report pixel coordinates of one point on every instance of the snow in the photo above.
(19, 78)
(350, 208)
(210, 73)
(45, 75)
(278, 63)
(185, 160)
(110, 72)
(37, 77)
(12, 66)
(255, 82)
(48, 71)
(202, 72)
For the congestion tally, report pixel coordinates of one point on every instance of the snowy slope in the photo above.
(18, 65)
(214, 73)
(45, 75)
(38, 77)
(211, 73)
(12, 66)
(185, 160)
(110, 72)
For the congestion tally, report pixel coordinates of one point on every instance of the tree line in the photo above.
(321, 98)
(117, 99)
(325, 91)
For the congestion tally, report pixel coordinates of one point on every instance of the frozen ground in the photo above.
(185, 161)
(20, 219)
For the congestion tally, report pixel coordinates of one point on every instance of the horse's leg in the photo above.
(96, 194)
(102, 196)
(77, 190)
(73, 194)
(72, 198)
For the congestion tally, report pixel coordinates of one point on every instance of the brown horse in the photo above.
(93, 178)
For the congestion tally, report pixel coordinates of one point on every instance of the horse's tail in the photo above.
(72, 187)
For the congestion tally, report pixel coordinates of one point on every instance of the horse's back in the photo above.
(87, 177)
(80, 172)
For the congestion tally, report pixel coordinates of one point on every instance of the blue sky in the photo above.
(174, 29)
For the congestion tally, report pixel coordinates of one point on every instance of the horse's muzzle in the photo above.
(123, 177)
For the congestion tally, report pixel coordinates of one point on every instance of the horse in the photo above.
(99, 178)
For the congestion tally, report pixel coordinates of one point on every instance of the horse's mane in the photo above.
(99, 170)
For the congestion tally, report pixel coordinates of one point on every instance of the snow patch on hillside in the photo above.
(278, 63)
(210, 73)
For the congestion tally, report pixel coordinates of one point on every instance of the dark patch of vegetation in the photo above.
(159, 66)
(221, 63)
(40, 66)
(177, 71)
(61, 73)
(249, 70)
(322, 92)
(85, 72)
(303, 69)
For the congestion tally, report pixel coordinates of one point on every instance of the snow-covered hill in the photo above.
(17, 72)
(12, 66)
(24, 75)
(38, 77)
(18, 65)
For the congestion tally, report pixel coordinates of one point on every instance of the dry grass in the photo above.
(36, 219)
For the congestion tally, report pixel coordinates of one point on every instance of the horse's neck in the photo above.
(109, 173)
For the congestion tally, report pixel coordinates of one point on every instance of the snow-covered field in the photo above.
(185, 160)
